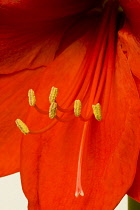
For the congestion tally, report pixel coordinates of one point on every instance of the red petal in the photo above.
(131, 49)
(29, 46)
(36, 10)
(132, 11)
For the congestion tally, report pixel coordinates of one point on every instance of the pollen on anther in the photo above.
(22, 126)
(97, 111)
(53, 94)
(52, 110)
(31, 97)
(77, 108)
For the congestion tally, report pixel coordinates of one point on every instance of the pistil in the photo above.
(79, 190)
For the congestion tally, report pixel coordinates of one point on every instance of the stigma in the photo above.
(80, 192)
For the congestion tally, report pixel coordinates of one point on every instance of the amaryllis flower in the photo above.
(86, 53)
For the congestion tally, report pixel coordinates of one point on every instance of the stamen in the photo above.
(86, 119)
(52, 110)
(40, 110)
(53, 94)
(22, 126)
(24, 129)
(97, 111)
(77, 108)
(64, 110)
(32, 98)
(32, 102)
(64, 120)
(48, 127)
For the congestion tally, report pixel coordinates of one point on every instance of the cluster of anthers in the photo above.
(52, 113)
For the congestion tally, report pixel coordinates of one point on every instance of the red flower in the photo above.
(81, 48)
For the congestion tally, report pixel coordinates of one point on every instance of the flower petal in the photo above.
(131, 9)
(131, 49)
(26, 43)
(37, 10)
(29, 46)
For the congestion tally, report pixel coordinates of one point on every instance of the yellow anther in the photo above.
(97, 111)
(77, 108)
(52, 110)
(32, 98)
(22, 126)
(53, 94)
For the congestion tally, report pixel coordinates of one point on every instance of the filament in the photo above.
(85, 119)
(65, 110)
(64, 120)
(40, 110)
(44, 129)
